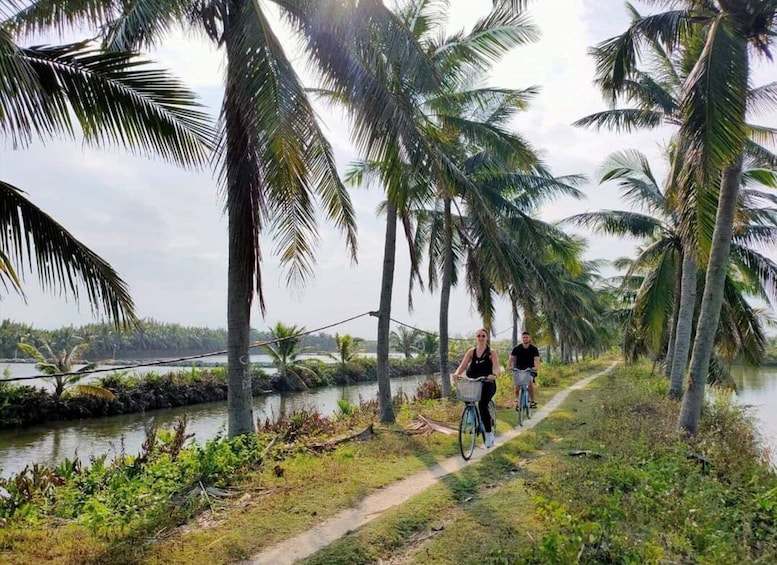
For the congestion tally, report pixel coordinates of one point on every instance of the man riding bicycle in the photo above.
(525, 356)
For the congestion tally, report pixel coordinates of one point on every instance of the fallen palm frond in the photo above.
(424, 425)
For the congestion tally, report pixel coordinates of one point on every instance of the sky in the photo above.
(163, 228)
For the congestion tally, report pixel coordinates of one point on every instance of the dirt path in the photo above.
(307, 543)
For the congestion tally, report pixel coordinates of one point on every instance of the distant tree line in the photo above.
(148, 339)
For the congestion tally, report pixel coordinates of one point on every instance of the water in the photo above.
(51, 443)
(758, 388)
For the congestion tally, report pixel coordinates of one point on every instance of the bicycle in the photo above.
(471, 424)
(522, 378)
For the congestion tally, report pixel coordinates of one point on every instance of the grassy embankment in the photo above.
(636, 497)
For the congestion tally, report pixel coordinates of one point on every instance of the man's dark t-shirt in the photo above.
(524, 356)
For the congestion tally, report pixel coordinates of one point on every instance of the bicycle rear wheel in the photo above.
(521, 399)
(468, 428)
(529, 409)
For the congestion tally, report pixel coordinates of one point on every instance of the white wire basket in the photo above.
(522, 377)
(469, 391)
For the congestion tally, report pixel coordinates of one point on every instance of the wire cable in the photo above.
(187, 358)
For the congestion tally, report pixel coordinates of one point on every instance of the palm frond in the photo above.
(622, 120)
(274, 156)
(617, 222)
(118, 98)
(714, 101)
(762, 100)
(62, 262)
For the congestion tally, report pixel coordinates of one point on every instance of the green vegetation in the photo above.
(602, 479)
(24, 405)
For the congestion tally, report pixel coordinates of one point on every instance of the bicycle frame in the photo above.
(523, 406)
(471, 425)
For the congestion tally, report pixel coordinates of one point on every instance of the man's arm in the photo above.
(510, 362)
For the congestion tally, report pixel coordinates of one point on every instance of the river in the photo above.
(758, 389)
(51, 443)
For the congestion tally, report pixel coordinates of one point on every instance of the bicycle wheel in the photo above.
(526, 408)
(521, 400)
(492, 415)
(468, 427)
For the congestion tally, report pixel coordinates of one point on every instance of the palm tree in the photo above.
(713, 135)
(404, 340)
(465, 127)
(658, 264)
(347, 350)
(273, 158)
(428, 347)
(114, 99)
(57, 364)
(284, 354)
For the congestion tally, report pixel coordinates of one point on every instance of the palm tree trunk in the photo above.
(445, 298)
(240, 270)
(670, 348)
(384, 316)
(684, 324)
(712, 299)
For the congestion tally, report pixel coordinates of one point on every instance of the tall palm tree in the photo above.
(713, 133)
(113, 98)
(406, 179)
(658, 264)
(273, 159)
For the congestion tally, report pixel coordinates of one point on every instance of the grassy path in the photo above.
(373, 506)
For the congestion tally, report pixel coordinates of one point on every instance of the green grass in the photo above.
(643, 501)
(529, 501)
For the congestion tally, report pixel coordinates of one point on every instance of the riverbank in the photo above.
(24, 406)
(603, 478)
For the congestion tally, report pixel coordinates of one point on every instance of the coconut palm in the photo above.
(405, 179)
(347, 349)
(428, 347)
(273, 159)
(658, 264)
(114, 98)
(713, 136)
(404, 340)
(57, 364)
(284, 351)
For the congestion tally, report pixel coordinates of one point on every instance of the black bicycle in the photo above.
(471, 424)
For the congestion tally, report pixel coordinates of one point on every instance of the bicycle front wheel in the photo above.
(492, 415)
(522, 399)
(468, 428)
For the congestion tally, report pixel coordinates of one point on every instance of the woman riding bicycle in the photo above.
(482, 361)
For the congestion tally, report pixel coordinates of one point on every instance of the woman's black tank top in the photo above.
(480, 366)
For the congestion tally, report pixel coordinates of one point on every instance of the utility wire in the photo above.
(187, 358)
(221, 352)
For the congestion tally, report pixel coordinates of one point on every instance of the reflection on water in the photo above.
(758, 388)
(49, 444)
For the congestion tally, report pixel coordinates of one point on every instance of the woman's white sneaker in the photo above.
(489, 439)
